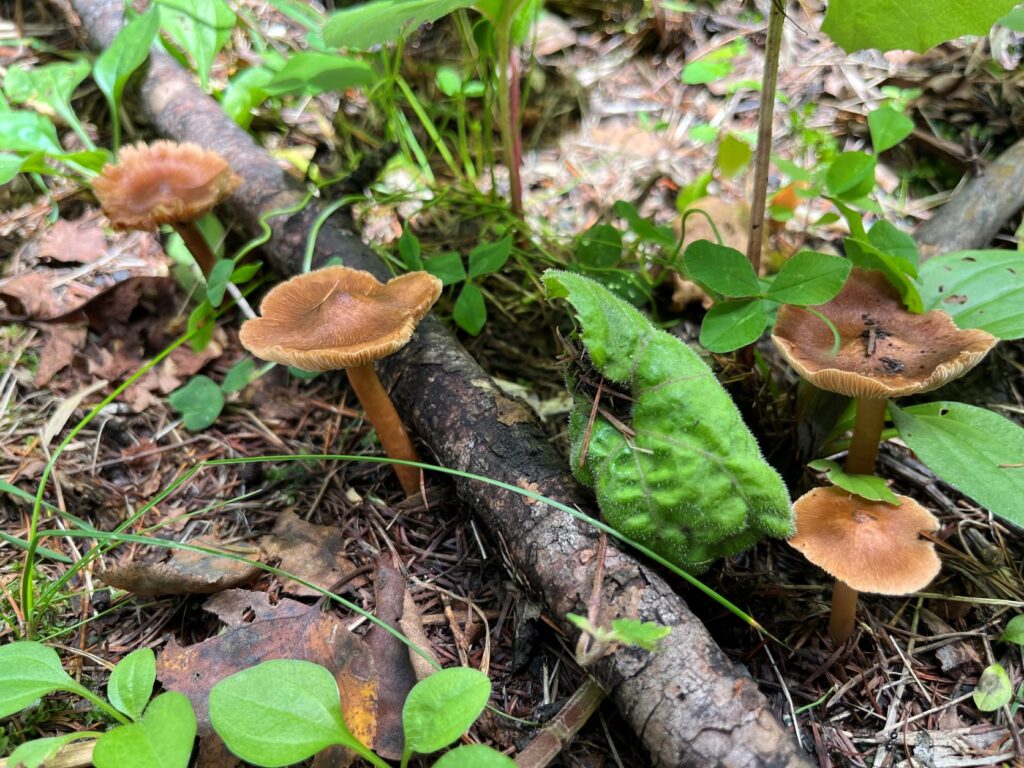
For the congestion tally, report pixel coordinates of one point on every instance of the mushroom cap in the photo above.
(884, 350)
(163, 183)
(870, 545)
(337, 317)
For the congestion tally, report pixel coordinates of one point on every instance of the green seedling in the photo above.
(623, 632)
(200, 30)
(470, 310)
(158, 732)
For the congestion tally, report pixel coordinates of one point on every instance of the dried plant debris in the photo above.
(314, 553)
(187, 572)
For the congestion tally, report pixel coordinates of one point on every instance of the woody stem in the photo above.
(385, 419)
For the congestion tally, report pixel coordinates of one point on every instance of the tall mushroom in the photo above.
(871, 546)
(338, 317)
(166, 183)
(884, 351)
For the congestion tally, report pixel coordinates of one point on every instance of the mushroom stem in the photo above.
(385, 419)
(867, 432)
(197, 245)
(844, 610)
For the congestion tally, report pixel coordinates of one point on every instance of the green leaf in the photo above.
(311, 73)
(469, 311)
(448, 81)
(384, 21)
(979, 289)
(36, 753)
(888, 128)
(644, 634)
(1014, 632)
(867, 487)
(409, 252)
(672, 483)
(201, 321)
(714, 65)
(721, 269)
(1014, 20)
(442, 707)
(976, 451)
(474, 756)
(733, 155)
(201, 29)
(163, 738)
(29, 671)
(28, 132)
(890, 239)
(729, 325)
(129, 50)
(218, 281)
(600, 247)
(239, 376)
(245, 273)
(703, 133)
(851, 176)
(447, 267)
(131, 682)
(809, 278)
(644, 229)
(994, 689)
(244, 93)
(279, 712)
(915, 24)
(48, 89)
(866, 256)
(489, 257)
(694, 191)
(199, 402)
(10, 165)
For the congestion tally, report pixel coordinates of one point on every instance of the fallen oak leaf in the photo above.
(187, 572)
(58, 352)
(314, 553)
(258, 631)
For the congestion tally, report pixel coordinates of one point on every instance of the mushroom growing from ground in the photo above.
(884, 352)
(166, 183)
(337, 317)
(869, 546)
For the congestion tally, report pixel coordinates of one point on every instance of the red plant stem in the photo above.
(515, 131)
(844, 611)
(197, 245)
(765, 116)
(385, 419)
(867, 433)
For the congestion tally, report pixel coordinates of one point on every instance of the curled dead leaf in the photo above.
(186, 572)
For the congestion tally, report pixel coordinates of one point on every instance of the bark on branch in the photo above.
(689, 704)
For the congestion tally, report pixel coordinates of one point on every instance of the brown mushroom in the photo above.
(868, 546)
(884, 352)
(166, 183)
(338, 317)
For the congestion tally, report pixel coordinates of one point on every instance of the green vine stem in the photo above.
(766, 113)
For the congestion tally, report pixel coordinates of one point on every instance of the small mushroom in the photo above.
(338, 317)
(166, 183)
(884, 352)
(868, 546)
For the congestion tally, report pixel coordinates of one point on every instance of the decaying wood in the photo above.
(974, 215)
(689, 704)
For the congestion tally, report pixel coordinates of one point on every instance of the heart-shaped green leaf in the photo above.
(729, 325)
(809, 278)
(199, 402)
(721, 269)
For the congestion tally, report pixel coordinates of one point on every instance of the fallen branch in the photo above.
(977, 211)
(688, 703)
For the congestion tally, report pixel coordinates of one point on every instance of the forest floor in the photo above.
(608, 118)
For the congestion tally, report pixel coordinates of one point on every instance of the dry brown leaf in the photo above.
(186, 572)
(59, 351)
(258, 631)
(412, 627)
(391, 657)
(30, 294)
(77, 242)
(314, 553)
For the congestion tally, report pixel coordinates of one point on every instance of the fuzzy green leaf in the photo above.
(688, 480)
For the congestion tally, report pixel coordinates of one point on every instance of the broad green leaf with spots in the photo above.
(979, 289)
(681, 473)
